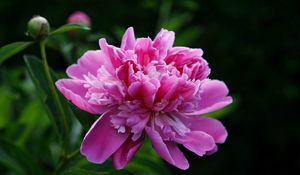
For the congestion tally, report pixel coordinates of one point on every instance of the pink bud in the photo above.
(79, 17)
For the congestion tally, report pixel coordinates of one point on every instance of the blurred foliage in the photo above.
(12, 49)
(252, 45)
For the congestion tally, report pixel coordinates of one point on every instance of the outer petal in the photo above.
(198, 142)
(128, 40)
(214, 150)
(124, 154)
(90, 62)
(74, 91)
(210, 126)
(102, 140)
(167, 150)
(213, 97)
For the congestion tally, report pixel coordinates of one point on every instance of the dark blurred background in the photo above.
(252, 45)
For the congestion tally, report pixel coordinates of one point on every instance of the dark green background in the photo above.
(252, 45)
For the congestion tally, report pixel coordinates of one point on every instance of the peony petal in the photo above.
(213, 151)
(197, 141)
(114, 54)
(89, 62)
(163, 41)
(125, 73)
(148, 93)
(210, 126)
(143, 90)
(102, 140)
(181, 56)
(74, 91)
(128, 40)
(145, 51)
(124, 154)
(134, 89)
(167, 88)
(167, 150)
(189, 61)
(213, 97)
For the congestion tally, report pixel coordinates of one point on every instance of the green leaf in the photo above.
(37, 120)
(81, 172)
(11, 49)
(86, 172)
(86, 119)
(146, 161)
(38, 76)
(70, 27)
(17, 160)
(6, 104)
(120, 172)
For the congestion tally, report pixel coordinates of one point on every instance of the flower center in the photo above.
(130, 116)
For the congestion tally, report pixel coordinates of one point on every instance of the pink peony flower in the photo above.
(79, 17)
(146, 88)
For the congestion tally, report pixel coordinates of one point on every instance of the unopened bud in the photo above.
(38, 27)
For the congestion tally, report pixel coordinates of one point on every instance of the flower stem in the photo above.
(55, 96)
(65, 161)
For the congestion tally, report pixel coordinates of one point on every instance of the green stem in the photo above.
(65, 161)
(55, 95)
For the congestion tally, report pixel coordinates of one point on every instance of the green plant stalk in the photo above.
(65, 161)
(55, 96)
